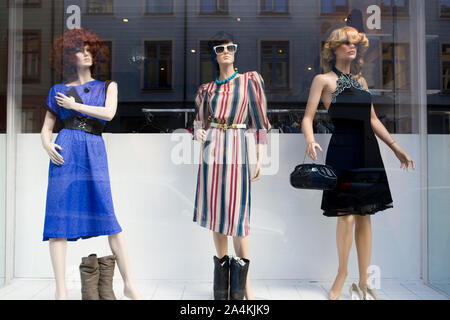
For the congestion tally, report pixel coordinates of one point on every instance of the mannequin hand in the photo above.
(257, 171)
(311, 150)
(55, 157)
(65, 101)
(405, 160)
(200, 135)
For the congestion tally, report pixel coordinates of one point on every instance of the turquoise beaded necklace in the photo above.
(227, 79)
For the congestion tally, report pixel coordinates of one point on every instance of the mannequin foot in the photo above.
(335, 291)
(249, 294)
(61, 294)
(361, 285)
(368, 291)
(132, 292)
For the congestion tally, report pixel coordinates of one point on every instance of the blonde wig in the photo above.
(336, 38)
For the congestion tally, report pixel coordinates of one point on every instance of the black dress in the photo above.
(362, 186)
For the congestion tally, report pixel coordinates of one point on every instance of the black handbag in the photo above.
(313, 176)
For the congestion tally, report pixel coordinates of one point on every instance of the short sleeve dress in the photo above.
(362, 185)
(79, 202)
(222, 202)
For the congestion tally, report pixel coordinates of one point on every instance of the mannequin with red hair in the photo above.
(79, 203)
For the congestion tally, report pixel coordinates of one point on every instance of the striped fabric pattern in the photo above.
(222, 202)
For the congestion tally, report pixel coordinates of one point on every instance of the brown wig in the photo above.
(65, 46)
(336, 38)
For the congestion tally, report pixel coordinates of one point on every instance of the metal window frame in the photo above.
(13, 127)
(419, 59)
(14, 96)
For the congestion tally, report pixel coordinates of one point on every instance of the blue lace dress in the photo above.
(79, 202)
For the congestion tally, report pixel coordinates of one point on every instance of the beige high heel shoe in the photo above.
(368, 293)
(355, 292)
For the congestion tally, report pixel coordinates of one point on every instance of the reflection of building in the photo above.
(438, 66)
(40, 24)
(3, 63)
(159, 53)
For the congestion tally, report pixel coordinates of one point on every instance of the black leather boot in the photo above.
(221, 277)
(238, 277)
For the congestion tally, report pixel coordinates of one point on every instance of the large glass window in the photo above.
(274, 6)
(275, 64)
(438, 110)
(159, 7)
(158, 65)
(104, 68)
(31, 60)
(100, 7)
(396, 64)
(444, 8)
(4, 20)
(395, 7)
(207, 69)
(157, 51)
(331, 7)
(445, 68)
(214, 7)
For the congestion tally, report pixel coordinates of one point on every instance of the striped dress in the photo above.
(222, 202)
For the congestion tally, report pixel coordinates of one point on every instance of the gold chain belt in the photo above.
(225, 126)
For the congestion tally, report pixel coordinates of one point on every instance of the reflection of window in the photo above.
(446, 67)
(274, 6)
(100, 7)
(396, 64)
(214, 6)
(444, 9)
(26, 4)
(397, 7)
(159, 6)
(31, 59)
(104, 66)
(334, 6)
(207, 65)
(158, 65)
(275, 64)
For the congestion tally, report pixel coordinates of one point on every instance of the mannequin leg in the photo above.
(363, 239)
(58, 249)
(242, 249)
(221, 244)
(118, 247)
(344, 238)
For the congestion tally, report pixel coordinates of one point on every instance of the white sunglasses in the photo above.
(230, 48)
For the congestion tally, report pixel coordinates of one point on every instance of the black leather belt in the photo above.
(85, 124)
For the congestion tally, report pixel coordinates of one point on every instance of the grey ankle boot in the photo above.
(89, 273)
(105, 282)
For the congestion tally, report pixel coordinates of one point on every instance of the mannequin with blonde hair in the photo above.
(353, 153)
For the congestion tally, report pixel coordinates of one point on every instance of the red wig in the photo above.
(65, 47)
